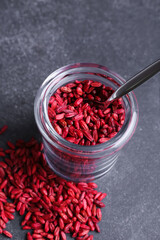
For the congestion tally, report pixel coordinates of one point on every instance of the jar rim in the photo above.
(47, 130)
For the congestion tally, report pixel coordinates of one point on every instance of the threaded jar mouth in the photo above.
(81, 71)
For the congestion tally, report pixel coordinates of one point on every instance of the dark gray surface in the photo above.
(37, 37)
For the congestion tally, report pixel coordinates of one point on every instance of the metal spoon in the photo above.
(133, 83)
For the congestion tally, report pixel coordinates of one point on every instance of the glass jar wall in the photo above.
(76, 162)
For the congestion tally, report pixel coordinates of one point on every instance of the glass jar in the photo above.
(75, 162)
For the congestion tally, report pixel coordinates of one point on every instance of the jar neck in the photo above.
(84, 71)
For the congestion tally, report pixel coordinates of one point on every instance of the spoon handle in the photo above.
(136, 80)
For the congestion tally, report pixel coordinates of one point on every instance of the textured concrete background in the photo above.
(37, 37)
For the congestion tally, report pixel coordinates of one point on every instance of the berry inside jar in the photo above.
(75, 115)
